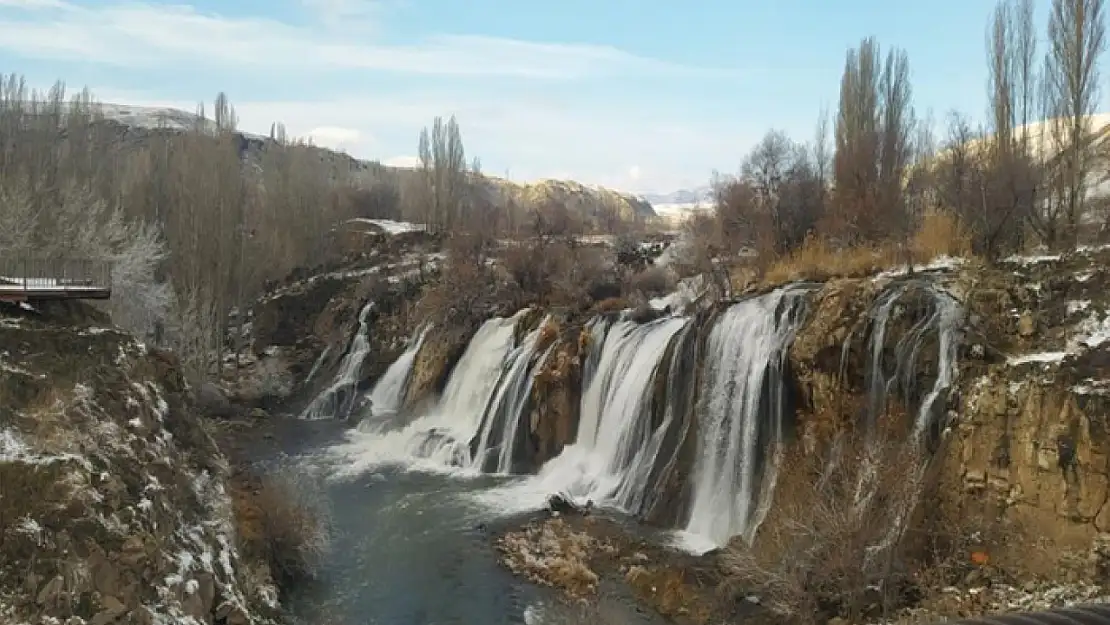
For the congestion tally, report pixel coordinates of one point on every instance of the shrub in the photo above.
(283, 521)
(653, 282)
(836, 537)
(940, 234)
(269, 379)
(818, 259)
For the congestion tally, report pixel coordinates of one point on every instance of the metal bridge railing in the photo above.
(64, 276)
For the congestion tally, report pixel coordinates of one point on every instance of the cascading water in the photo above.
(492, 448)
(616, 447)
(339, 399)
(442, 437)
(316, 365)
(389, 390)
(740, 414)
(942, 319)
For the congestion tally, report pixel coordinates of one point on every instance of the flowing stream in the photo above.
(420, 493)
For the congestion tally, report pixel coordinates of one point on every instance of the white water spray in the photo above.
(740, 414)
(613, 452)
(339, 399)
(441, 439)
(389, 390)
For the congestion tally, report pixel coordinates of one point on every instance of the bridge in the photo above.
(24, 278)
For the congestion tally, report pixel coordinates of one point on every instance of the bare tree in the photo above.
(857, 148)
(443, 170)
(897, 125)
(1007, 185)
(1076, 36)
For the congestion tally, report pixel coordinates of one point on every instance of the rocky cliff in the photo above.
(114, 504)
(999, 371)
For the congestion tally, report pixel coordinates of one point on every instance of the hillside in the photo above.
(590, 203)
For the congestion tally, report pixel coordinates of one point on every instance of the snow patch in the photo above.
(391, 226)
(1078, 306)
(940, 263)
(1039, 357)
(1033, 259)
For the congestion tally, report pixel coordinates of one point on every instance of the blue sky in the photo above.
(647, 95)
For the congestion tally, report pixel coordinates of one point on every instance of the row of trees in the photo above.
(1025, 173)
(197, 219)
(194, 219)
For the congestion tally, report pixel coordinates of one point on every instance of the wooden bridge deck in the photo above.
(24, 278)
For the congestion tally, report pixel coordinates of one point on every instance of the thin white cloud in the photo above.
(153, 35)
(532, 132)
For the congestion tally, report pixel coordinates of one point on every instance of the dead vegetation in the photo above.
(878, 189)
(282, 520)
(554, 554)
(835, 542)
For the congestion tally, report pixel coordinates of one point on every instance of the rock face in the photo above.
(1023, 463)
(556, 399)
(112, 496)
(303, 328)
(1030, 444)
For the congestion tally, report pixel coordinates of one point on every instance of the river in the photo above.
(415, 547)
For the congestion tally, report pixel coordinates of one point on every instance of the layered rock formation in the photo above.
(113, 498)
(1001, 371)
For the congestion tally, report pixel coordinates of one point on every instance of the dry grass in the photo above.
(282, 521)
(940, 234)
(554, 554)
(611, 305)
(817, 259)
(836, 536)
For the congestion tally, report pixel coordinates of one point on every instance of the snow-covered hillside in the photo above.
(679, 205)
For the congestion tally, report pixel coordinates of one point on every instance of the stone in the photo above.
(212, 401)
(1026, 325)
(50, 592)
(104, 574)
(142, 616)
(108, 615)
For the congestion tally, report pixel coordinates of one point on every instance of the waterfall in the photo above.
(316, 365)
(389, 390)
(339, 399)
(942, 320)
(494, 445)
(616, 447)
(441, 439)
(741, 413)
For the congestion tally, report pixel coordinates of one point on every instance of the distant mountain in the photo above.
(700, 195)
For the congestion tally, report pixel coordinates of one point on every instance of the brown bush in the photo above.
(836, 534)
(554, 272)
(611, 305)
(818, 259)
(282, 521)
(940, 234)
(653, 282)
